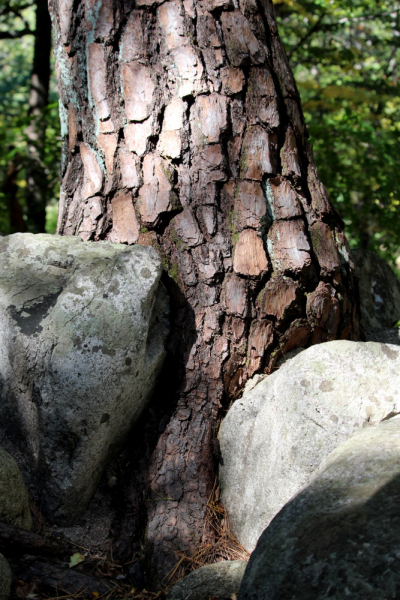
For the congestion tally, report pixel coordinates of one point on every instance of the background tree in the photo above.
(29, 125)
(36, 173)
(182, 129)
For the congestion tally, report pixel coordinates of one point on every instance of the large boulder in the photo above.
(385, 335)
(219, 580)
(14, 497)
(82, 331)
(339, 538)
(6, 578)
(379, 290)
(276, 436)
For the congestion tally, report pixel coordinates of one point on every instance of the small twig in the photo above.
(77, 545)
(173, 571)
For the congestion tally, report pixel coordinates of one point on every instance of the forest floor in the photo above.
(79, 562)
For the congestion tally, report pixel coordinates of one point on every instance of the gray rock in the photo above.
(14, 498)
(251, 384)
(82, 330)
(379, 290)
(275, 438)
(221, 580)
(385, 335)
(6, 579)
(340, 536)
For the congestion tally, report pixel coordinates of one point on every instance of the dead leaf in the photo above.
(75, 559)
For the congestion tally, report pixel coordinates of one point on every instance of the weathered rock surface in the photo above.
(385, 335)
(14, 498)
(219, 580)
(379, 290)
(339, 537)
(82, 330)
(275, 437)
(5, 579)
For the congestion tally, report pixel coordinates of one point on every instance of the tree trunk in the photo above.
(36, 177)
(10, 191)
(183, 129)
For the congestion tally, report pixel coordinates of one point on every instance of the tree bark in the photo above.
(36, 177)
(10, 190)
(183, 129)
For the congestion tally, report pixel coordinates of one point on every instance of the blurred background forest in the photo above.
(345, 56)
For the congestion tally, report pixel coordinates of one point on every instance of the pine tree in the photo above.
(183, 129)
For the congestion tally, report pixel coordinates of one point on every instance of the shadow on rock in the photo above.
(340, 536)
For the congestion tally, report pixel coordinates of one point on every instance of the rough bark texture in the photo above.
(182, 128)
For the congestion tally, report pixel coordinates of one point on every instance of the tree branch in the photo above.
(17, 540)
(53, 577)
(312, 30)
(15, 9)
(15, 35)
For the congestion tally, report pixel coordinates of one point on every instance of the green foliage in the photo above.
(345, 55)
(16, 57)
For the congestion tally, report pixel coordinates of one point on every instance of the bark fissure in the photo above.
(183, 130)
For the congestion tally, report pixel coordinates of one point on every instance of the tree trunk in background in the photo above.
(182, 129)
(36, 178)
(10, 190)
